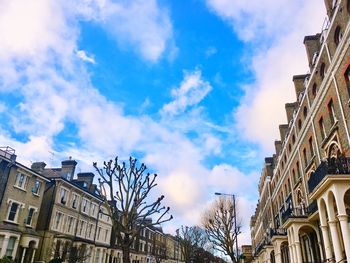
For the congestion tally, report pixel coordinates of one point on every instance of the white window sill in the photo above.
(35, 194)
(11, 222)
(19, 188)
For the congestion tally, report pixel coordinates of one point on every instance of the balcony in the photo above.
(278, 232)
(294, 213)
(331, 166)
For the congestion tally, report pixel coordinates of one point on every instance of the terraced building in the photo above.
(304, 205)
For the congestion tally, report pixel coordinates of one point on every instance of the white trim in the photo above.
(19, 207)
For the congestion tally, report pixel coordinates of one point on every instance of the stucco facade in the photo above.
(304, 205)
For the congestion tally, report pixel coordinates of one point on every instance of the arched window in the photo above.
(299, 124)
(293, 139)
(348, 6)
(338, 34)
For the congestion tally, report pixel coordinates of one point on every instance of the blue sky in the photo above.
(195, 89)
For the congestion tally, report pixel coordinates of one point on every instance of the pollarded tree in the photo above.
(126, 188)
(219, 222)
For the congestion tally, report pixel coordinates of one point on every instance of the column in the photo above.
(335, 240)
(343, 220)
(326, 242)
(278, 257)
(23, 254)
(32, 260)
(298, 252)
(4, 246)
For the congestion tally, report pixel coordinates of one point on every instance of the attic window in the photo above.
(337, 35)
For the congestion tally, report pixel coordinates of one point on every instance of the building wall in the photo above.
(307, 145)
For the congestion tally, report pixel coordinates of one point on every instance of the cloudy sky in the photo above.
(193, 88)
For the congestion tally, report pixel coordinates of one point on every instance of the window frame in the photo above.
(24, 183)
(63, 199)
(19, 206)
(34, 209)
(37, 192)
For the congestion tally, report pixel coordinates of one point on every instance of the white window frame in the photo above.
(19, 207)
(85, 209)
(70, 231)
(81, 228)
(65, 198)
(37, 193)
(34, 212)
(76, 200)
(24, 183)
(93, 209)
(59, 227)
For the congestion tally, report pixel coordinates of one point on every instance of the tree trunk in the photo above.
(126, 254)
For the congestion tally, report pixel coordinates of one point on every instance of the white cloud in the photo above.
(83, 56)
(277, 29)
(44, 70)
(191, 91)
(143, 24)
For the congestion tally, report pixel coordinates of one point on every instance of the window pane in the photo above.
(13, 212)
(30, 216)
(10, 246)
(36, 187)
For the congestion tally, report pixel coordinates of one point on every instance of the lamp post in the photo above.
(235, 219)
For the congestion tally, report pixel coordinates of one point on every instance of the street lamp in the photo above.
(235, 219)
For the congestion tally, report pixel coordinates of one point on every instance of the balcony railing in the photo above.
(278, 232)
(312, 208)
(8, 153)
(294, 213)
(339, 165)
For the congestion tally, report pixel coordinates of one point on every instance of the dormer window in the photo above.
(68, 176)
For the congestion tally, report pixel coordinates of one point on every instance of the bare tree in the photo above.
(126, 189)
(219, 224)
(70, 253)
(192, 242)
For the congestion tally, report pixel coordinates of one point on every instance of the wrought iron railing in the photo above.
(278, 232)
(331, 166)
(312, 208)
